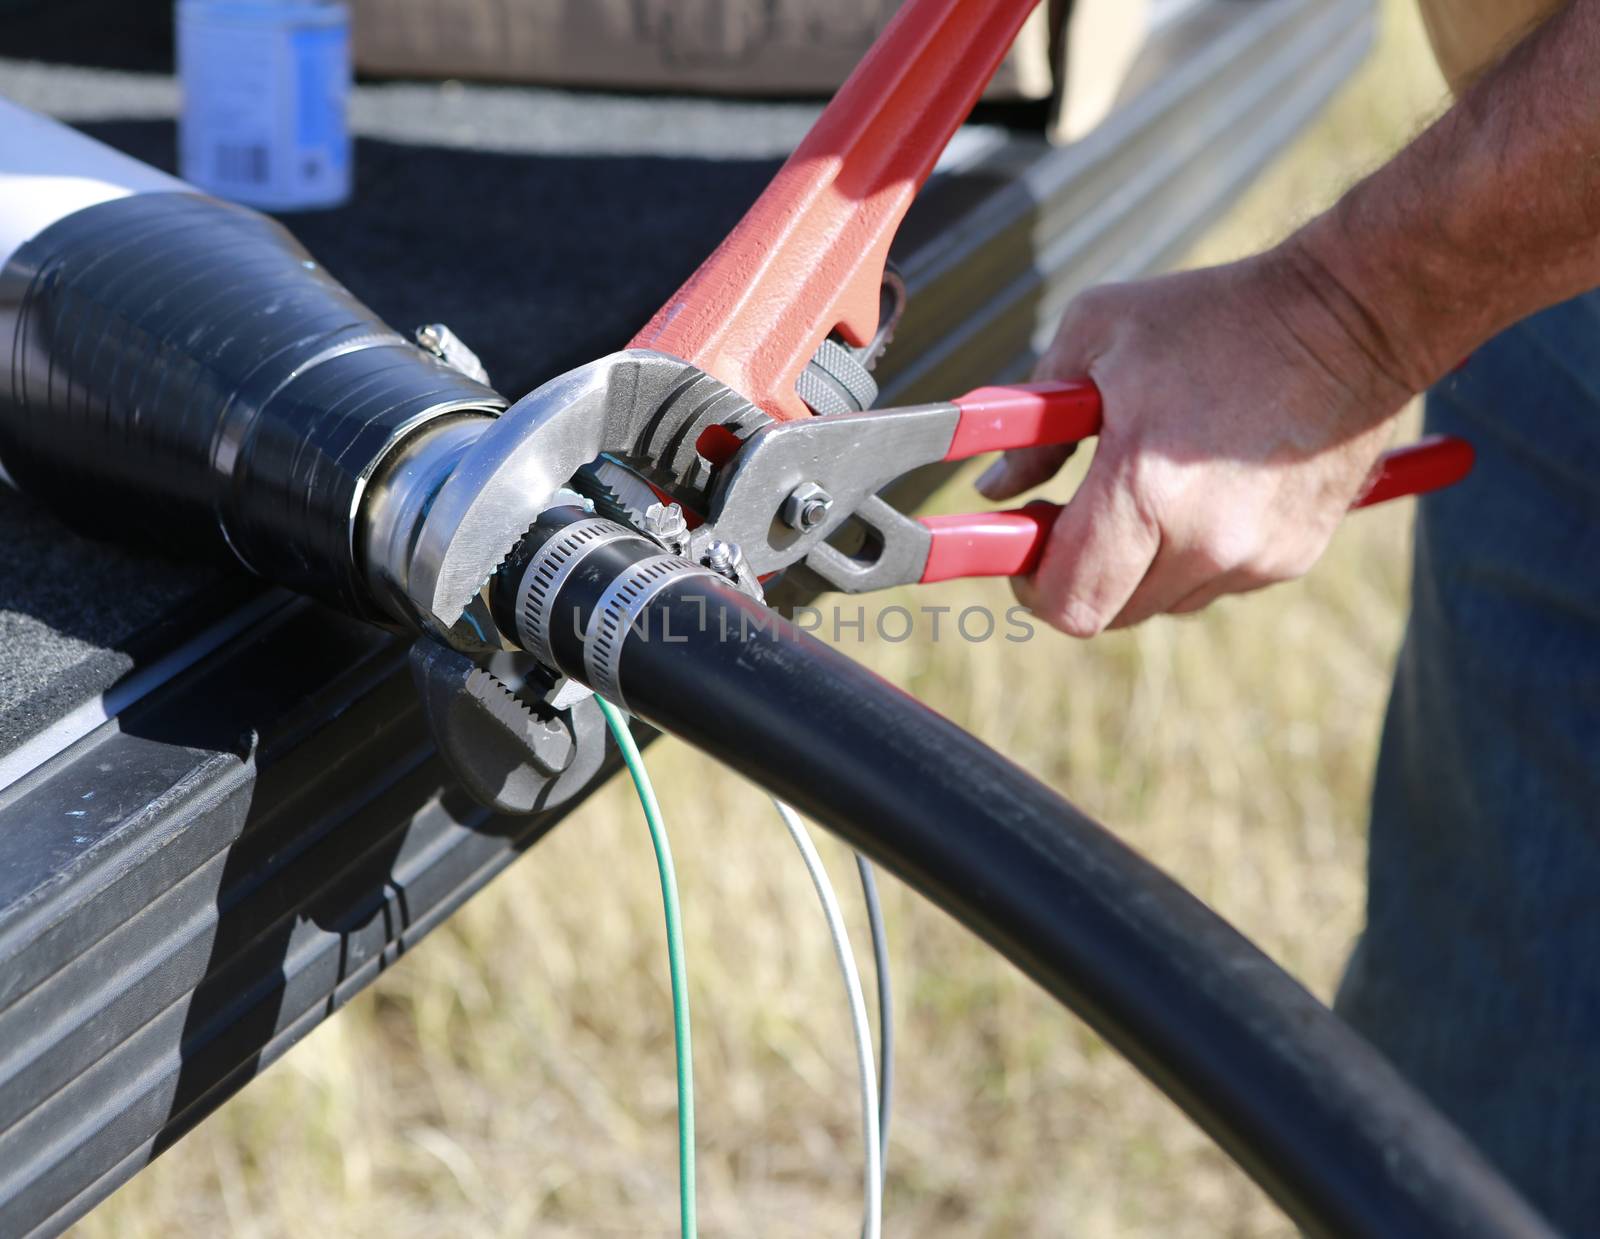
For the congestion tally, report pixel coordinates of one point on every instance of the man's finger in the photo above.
(1221, 587)
(1099, 551)
(1022, 469)
(1174, 576)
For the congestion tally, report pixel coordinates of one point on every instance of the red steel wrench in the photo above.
(807, 262)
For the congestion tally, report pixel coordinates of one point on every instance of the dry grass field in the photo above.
(514, 1074)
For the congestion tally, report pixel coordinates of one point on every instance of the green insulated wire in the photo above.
(680, 986)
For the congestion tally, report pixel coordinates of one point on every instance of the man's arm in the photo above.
(1245, 405)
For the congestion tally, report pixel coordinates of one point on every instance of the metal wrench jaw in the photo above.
(514, 752)
(445, 517)
(450, 507)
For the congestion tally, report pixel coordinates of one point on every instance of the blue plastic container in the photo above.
(264, 91)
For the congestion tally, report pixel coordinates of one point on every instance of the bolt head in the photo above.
(665, 522)
(806, 507)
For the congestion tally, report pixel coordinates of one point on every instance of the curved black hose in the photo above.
(1307, 1107)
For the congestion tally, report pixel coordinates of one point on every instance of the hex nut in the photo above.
(806, 507)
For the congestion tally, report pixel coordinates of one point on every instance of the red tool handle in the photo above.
(1431, 463)
(1010, 543)
(997, 419)
(988, 543)
(808, 257)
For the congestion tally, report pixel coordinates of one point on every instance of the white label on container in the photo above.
(263, 114)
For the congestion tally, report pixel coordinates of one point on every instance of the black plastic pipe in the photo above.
(1311, 1111)
(180, 372)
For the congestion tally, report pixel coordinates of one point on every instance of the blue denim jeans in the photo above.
(1479, 971)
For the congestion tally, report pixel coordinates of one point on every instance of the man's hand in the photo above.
(1244, 406)
(1243, 414)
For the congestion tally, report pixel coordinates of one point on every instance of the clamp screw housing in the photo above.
(444, 344)
(665, 523)
(722, 557)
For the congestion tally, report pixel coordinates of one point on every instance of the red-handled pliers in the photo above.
(793, 485)
(807, 263)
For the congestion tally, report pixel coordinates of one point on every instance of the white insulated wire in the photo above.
(872, 1217)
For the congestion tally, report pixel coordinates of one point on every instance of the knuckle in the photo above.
(1277, 567)
(1079, 619)
(1301, 561)
(1144, 475)
(1230, 545)
(1092, 302)
(1212, 557)
(1074, 617)
(1154, 491)
(1089, 310)
(1130, 618)
(1102, 298)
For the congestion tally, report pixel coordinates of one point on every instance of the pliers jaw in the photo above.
(852, 458)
